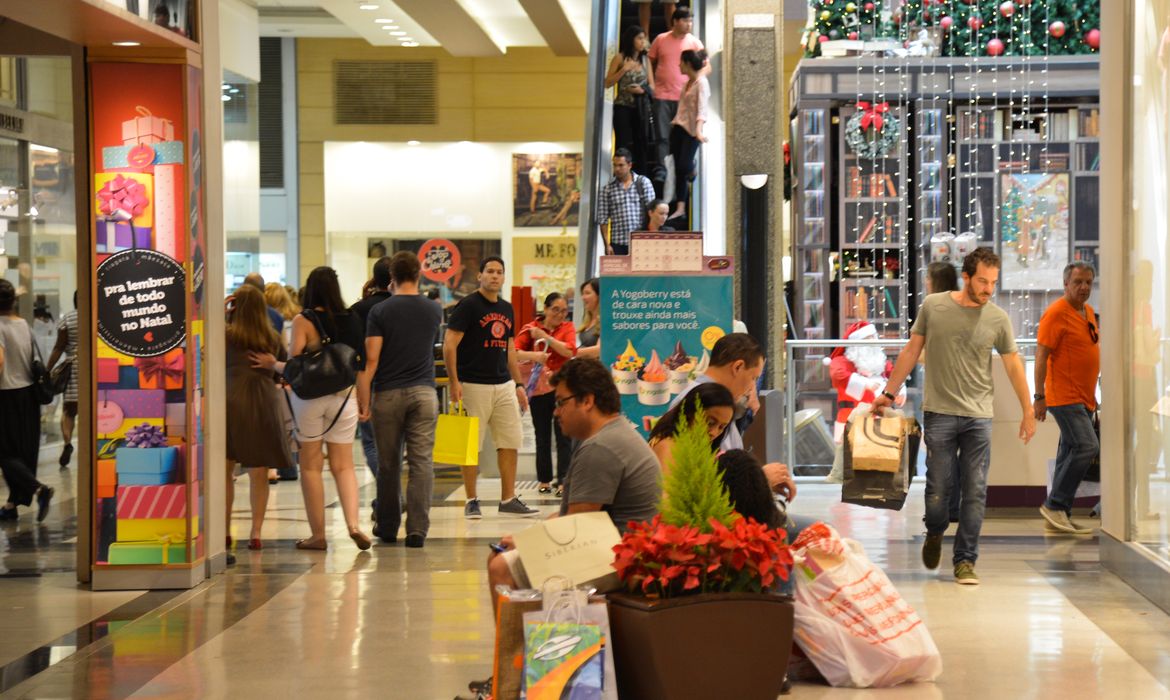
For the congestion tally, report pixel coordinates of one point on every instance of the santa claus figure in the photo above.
(858, 374)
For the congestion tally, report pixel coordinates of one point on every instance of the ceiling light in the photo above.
(383, 20)
(367, 6)
(226, 98)
(234, 90)
(399, 33)
(412, 143)
(391, 27)
(410, 44)
(225, 86)
(126, 43)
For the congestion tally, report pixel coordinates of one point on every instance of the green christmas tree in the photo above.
(694, 492)
(845, 19)
(1007, 27)
(1009, 215)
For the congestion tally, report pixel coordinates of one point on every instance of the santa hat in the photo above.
(858, 330)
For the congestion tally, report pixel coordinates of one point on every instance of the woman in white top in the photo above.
(20, 415)
(687, 131)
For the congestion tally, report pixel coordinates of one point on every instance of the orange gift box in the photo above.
(161, 372)
(107, 478)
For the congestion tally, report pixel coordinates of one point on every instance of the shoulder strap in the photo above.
(297, 429)
(311, 314)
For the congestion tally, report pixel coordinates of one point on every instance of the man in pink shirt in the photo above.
(668, 79)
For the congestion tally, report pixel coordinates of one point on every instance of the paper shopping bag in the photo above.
(562, 660)
(508, 673)
(879, 489)
(579, 547)
(457, 438)
(877, 442)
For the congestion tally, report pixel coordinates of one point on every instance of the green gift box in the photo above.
(124, 553)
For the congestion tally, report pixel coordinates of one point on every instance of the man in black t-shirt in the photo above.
(481, 365)
(400, 364)
(381, 287)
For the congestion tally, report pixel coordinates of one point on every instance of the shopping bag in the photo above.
(851, 621)
(579, 547)
(880, 489)
(877, 442)
(568, 604)
(508, 670)
(563, 652)
(457, 438)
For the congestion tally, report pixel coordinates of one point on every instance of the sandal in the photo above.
(317, 545)
(255, 543)
(544, 488)
(560, 491)
(361, 539)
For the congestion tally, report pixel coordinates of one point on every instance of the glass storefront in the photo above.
(1148, 265)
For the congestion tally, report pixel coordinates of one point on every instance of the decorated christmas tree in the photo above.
(846, 19)
(1007, 27)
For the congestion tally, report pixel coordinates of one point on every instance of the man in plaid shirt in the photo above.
(623, 200)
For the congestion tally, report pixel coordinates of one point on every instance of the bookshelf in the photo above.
(812, 224)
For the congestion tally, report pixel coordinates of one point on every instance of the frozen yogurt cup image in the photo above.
(653, 387)
(625, 370)
(679, 367)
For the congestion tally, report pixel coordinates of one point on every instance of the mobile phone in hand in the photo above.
(498, 548)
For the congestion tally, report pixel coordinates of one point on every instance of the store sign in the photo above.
(440, 260)
(141, 304)
(11, 122)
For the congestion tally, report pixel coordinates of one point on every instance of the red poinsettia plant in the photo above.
(697, 543)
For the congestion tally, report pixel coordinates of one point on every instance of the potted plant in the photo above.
(700, 618)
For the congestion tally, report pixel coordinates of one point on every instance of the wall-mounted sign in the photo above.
(141, 305)
(11, 122)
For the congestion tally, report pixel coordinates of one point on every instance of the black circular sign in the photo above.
(141, 301)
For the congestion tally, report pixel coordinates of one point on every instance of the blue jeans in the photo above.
(369, 446)
(962, 443)
(1078, 447)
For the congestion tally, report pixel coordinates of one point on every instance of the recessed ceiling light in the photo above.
(391, 27)
(225, 86)
(126, 43)
(399, 33)
(226, 98)
(383, 20)
(412, 143)
(410, 44)
(367, 7)
(234, 90)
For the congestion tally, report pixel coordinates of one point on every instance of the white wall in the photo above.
(239, 35)
(395, 190)
(241, 187)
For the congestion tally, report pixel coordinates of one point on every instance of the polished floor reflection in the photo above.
(1047, 621)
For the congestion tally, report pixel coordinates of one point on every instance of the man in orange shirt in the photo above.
(1068, 361)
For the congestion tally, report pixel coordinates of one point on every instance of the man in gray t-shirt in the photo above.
(958, 331)
(613, 469)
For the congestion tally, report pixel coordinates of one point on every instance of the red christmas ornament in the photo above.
(995, 47)
(853, 36)
(1007, 9)
(822, 38)
(1093, 39)
(946, 23)
(926, 16)
(869, 7)
(1056, 29)
(974, 22)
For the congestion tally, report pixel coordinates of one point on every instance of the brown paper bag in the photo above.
(877, 442)
(509, 661)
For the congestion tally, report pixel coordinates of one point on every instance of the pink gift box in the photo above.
(107, 371)
(166, 501)
(146, 128)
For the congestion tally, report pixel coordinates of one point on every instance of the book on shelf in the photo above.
(867, 231)
(855, 188)
(1090, 122)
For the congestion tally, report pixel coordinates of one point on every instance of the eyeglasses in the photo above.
(564, 400)
(1093, 332)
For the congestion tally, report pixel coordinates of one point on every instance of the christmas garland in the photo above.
(870, 132)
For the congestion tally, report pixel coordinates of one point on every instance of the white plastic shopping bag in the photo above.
(850, 620)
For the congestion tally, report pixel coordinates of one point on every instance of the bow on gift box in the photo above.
(145, 435)
(122, 198)
(872, 114)
(161, 368)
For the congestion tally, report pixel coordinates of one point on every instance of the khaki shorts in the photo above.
(496, 407)
(516, 568)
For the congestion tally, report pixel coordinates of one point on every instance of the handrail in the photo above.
(790, 348)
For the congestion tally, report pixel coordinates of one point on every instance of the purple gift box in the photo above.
(138, 403)
(122, 240)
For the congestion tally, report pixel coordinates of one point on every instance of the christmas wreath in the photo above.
(871, 132)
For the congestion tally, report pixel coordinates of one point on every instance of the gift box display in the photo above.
(162, 153)
(107, 478)
(127, 237)
(138, 403)
(139, 502)
(148, 553)
(129, 424)
(107, 370)
(154, 529)
(161, 372)
(149, 466)
(146, 128)
(169, 235)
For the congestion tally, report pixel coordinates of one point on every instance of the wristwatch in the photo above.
(888, 395)
(1037, 397)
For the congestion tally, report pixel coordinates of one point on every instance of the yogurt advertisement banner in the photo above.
(657, 333)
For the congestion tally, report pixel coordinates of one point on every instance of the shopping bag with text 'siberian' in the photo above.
(578, 546)
(457, 438)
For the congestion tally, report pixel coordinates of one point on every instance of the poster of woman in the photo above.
(546, 189)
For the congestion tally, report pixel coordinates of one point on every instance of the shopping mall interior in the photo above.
(156, 156)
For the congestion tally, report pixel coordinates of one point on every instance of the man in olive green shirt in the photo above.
(958, 331)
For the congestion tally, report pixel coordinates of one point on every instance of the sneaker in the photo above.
(1059, 521)
(8, 513)
(484, 686)
(415, 540)
(517, 507)
(66, 455)
(932, 550)
(965, 574)
(471, 510)
(44, 496)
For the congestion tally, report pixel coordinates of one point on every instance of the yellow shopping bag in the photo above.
(457, 438)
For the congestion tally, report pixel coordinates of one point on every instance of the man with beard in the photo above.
(958, 331)
(857, 374)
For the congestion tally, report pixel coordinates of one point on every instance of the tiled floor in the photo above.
(1047, 622)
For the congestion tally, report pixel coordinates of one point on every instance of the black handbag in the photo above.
(59, 376)
(327, 371)
(42, 382)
